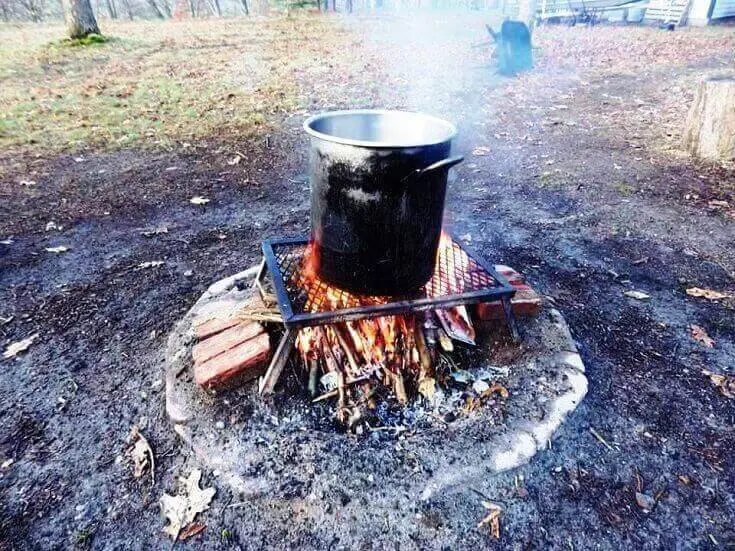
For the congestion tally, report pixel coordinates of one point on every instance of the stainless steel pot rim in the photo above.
(449, 129)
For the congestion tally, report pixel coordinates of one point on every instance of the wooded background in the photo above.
(41, 10)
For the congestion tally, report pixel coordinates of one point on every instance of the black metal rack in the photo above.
(460, 277)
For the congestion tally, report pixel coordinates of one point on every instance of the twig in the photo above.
(601, 439)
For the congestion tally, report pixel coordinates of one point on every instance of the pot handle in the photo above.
(444, 164)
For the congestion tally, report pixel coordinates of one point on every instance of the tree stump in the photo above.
(710, 126)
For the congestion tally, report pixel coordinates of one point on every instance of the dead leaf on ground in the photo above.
(58, 250)
(707, 293)
(480, 151)
(638, 295)
(142, 455)
(192, 530)
(154, 231)
(198, 200)
(718, 205)
(235, 160)
(725, 383)
(492, 518)
(180, 510)
(28, 183)
(150, 264)
(700, 335)
(17, 347)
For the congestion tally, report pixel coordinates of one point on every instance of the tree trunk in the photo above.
(710, 127)
(156, 9)
(80, 19)
(245, 7)
(217, 8)
(128, 9)
(112, 9)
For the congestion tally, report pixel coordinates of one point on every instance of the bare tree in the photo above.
(156, 9)
(80, 19)
(34, 9)
(112, 9)
(245, 7)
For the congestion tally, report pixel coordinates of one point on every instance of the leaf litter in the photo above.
(181, 509)
(20, 346)
(141, 454)
(709, 294)
(701, 336)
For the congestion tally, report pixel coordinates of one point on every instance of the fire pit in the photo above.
(394, 321)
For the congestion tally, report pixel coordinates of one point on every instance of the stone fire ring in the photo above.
(238, 432)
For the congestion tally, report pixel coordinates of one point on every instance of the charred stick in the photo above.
(347, 350)
(313, 376)
(427, 367)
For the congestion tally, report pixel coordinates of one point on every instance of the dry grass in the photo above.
(159, 83)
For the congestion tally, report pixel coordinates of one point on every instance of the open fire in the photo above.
(356, 360)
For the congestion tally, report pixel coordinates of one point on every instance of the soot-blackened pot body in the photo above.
(377, 198)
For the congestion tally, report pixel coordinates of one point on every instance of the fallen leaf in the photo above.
(154, 231)
(684, 479)
(725, 383)
(181, 509)
(192, 530)
(480, 386)
(480, 151)
(199, 200)
(718, 204)
(497, 388)
(707, 293)
(150, 264)
(6, 242)
(700, 335)
(492, 518)
(28, 183)
(58, 250)
(638, 295)
(20, 346)
(142, 455)
(235, 160)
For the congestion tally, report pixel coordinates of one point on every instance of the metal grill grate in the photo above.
(459, 278)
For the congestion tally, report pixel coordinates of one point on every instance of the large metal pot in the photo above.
(378, 182)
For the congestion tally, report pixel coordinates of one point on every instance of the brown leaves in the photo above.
(492, 518)
(724, 383)
(700, 335)
(142, 455)
(707, 293)
(180, 510)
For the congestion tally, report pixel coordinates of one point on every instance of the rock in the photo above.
(645, 502)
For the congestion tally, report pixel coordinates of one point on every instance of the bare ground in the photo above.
(583, 187)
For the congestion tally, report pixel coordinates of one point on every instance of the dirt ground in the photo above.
(582, 186)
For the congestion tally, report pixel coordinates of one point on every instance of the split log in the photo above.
(710, 127)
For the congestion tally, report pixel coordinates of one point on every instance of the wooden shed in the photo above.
(689, 12)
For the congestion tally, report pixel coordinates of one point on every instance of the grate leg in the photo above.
(269, 380)
(258, 280)
(510, 319)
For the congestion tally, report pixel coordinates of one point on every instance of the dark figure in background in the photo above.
(514, 47)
